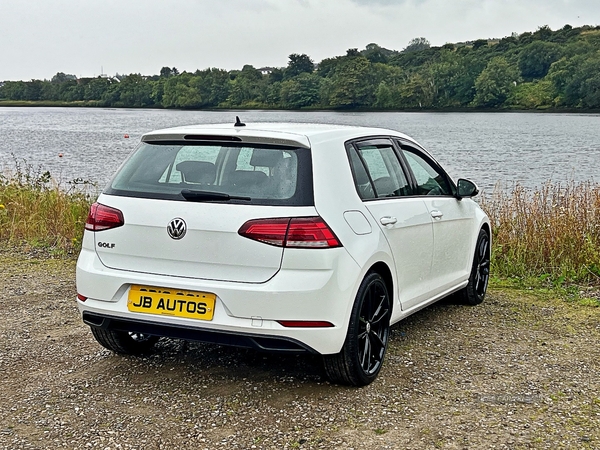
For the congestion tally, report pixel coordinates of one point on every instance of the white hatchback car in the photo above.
(279, 237)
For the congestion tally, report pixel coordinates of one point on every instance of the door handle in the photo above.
(388, 220)
(437, 214)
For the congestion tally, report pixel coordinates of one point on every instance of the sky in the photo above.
(39, 38)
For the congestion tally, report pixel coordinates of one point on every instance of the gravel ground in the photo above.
(513, 373)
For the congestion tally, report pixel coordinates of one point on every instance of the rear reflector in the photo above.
(102, 217)
(81, 297)
(291, 232)
(305, 323)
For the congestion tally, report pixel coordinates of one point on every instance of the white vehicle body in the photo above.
(422, 246)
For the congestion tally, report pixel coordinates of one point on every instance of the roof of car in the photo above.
(295, 134)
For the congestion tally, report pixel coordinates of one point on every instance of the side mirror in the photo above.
(466, 188)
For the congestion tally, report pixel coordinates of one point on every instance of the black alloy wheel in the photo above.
(474, 292)
(361, 357)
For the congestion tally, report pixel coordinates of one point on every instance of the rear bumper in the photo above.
(255, 341)
(246, 314)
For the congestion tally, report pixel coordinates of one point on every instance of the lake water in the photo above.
(489, 148)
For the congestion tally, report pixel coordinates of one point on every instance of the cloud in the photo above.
(142, 36)
(386, 2)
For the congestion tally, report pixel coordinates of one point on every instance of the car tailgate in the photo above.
(210, 249)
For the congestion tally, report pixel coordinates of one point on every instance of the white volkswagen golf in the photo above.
(279, 237)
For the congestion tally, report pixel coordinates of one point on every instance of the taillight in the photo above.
(310, 232)
(269, 231)
(294, 232)
(102, 217)
(80, 297)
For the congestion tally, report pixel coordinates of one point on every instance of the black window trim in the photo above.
(350, 147)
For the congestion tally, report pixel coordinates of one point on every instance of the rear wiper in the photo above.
(207, 196)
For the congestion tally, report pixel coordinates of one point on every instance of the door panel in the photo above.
(410, 238)
(405, 221)
(452, 231)
(452, 221)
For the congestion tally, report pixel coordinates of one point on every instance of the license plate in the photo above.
(171, 302)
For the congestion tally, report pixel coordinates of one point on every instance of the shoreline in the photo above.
(94, 105)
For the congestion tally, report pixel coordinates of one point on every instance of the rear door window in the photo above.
(377, 170)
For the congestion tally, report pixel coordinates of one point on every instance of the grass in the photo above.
(36, 211)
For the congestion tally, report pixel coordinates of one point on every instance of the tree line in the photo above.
(533, 70)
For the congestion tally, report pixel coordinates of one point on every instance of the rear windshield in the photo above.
(249, 174)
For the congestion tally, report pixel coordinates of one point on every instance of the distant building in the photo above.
(266, 70)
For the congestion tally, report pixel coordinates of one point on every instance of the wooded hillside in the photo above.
(540, 70)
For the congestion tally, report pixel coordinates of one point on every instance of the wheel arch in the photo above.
(486, 226)
(385, 272)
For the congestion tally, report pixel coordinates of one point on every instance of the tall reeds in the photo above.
(35, 210)
(550, 233)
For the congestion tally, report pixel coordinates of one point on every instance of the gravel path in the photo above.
(513, 373)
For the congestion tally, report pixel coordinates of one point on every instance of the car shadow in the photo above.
(232, 363)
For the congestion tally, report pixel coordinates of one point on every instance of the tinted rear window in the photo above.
(267, 175)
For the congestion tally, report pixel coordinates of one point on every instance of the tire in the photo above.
(361, 357)
(123, 342)
(474, 293)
